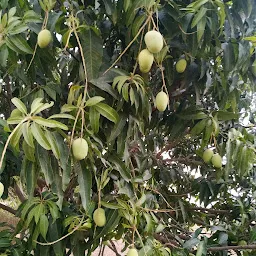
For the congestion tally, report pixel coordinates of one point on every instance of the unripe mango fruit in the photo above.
(132, 252)
(154, 41)
(216, 160)
(1, 189)
(161, 101)
(145, 60)
(242, 242)
(181, 65)
(99, 217)
(80, 148)
(207, 155)
(44, 38)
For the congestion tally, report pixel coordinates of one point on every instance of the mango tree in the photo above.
(128, 120)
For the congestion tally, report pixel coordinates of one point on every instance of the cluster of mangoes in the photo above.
(215, 159)
(154, 43)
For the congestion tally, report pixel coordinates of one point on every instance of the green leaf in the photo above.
(39, 136)
(54, 210)
(15, 139)
(85, 183)
(5, 242)
(138, 22)
(93, 101)
(118, 128)
(201, 28)
(19, 44)
(120, 167)
(67, 108)
(104, 86)
(127, 4)
(17, 29)
(225, 115)
(221, 13)
(132, 96)
(43, 226)
(150, 224)
(53, 144)
(108, 112)
(125, 92)
(19, 105)
(65, 160)
(111, 205)
(31, 16)
(198, 16)
(197, 4)
(199, 127)
(43, 107)
(49, 123)
(201, 249)
(29, 170)
(37, 102)
(67, 116)
(191, 243)
(27, 205)
(94, 117)
(29, 151)
(229, 60)
(93, 52)
(40, 210)
(45, 164)
(55, 232)
(193, 115)
(15, 120)
(27, 134)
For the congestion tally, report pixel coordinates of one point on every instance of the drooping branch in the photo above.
(7, 208)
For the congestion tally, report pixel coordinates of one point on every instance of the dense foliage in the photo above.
(144, 167)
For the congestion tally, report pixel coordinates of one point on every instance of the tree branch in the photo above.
(166, 148)
(184, 160)
(113, 248)
(19, 193)
(7, 208)
(233, 247)
(201, 209)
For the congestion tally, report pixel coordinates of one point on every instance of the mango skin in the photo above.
(161, 101)
(207, 155)
(80, 148)
(154, 41)
(132, 252)
(44, 38)
(242, 242)
(1, 189)
(99, 217)
(216, 160)
(181, 65)
(145, 60)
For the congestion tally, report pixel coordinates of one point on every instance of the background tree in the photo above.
(143, 167)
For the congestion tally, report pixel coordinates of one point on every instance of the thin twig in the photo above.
(60, 239)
